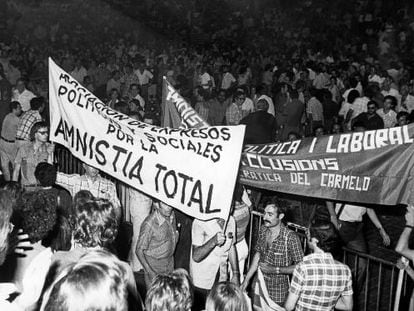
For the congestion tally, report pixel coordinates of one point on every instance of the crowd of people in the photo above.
(282, 71)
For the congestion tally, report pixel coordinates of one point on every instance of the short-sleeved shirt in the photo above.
(284, 251)
(234, 114)
(204, 272)
(100, 188)
(389, 118)
(350, 212)
(9, 127)
(315, 108)
(157, 240)
(28, 158)
(319, 281)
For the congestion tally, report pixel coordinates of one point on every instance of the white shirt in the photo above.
(204, 272)
(204, 80)
(350, 212)
(409, 102)
(79, 74)
(248, 105)
(23, 98)
(390, 118)
(143, 77)
(228, 79)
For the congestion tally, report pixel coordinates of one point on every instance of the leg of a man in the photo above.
(140, 208)
(359, 267)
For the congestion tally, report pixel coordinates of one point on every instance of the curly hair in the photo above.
(97, 281)
(226, 296)
(170, 292)
(38, 210)
(95, 223)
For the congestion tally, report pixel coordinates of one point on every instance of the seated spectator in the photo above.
(97, 281)
(387, 113)
(170, 292)
(226, 296)
(370, 119)
(403, 118)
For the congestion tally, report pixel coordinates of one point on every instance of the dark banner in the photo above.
(367, 167)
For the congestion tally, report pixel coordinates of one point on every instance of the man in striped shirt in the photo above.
(319, 282)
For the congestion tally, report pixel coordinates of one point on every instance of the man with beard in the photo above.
(278, 250)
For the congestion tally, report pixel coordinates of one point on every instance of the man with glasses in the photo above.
(31, 154)
(235, 111)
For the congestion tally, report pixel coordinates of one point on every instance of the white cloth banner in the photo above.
(193, 170)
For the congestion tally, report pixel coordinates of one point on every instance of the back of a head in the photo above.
(46, 174)
(36, 103)
(170, 292)
(226, 296)
(38, 211)
(95, 223)
(352, 96)
(97, 282)
(324, 232)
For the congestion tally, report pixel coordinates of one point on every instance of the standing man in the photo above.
(37, 105)
(31, 154)
(213, 246)
(8, 147)
(100, 187)
(22, 95)
(348, 220)
(278, 251)
(157, 240)
(319, 282)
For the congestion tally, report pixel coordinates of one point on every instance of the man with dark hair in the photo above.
(260, 125)
(8, 147)
(278, 251)
(31, 154)
(37, 105)
(319, 282)
(370, 119)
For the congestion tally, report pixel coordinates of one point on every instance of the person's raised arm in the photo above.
(202, 251)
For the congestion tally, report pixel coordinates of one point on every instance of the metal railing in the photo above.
(381, 284)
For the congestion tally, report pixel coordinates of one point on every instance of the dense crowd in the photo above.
(283, 71)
